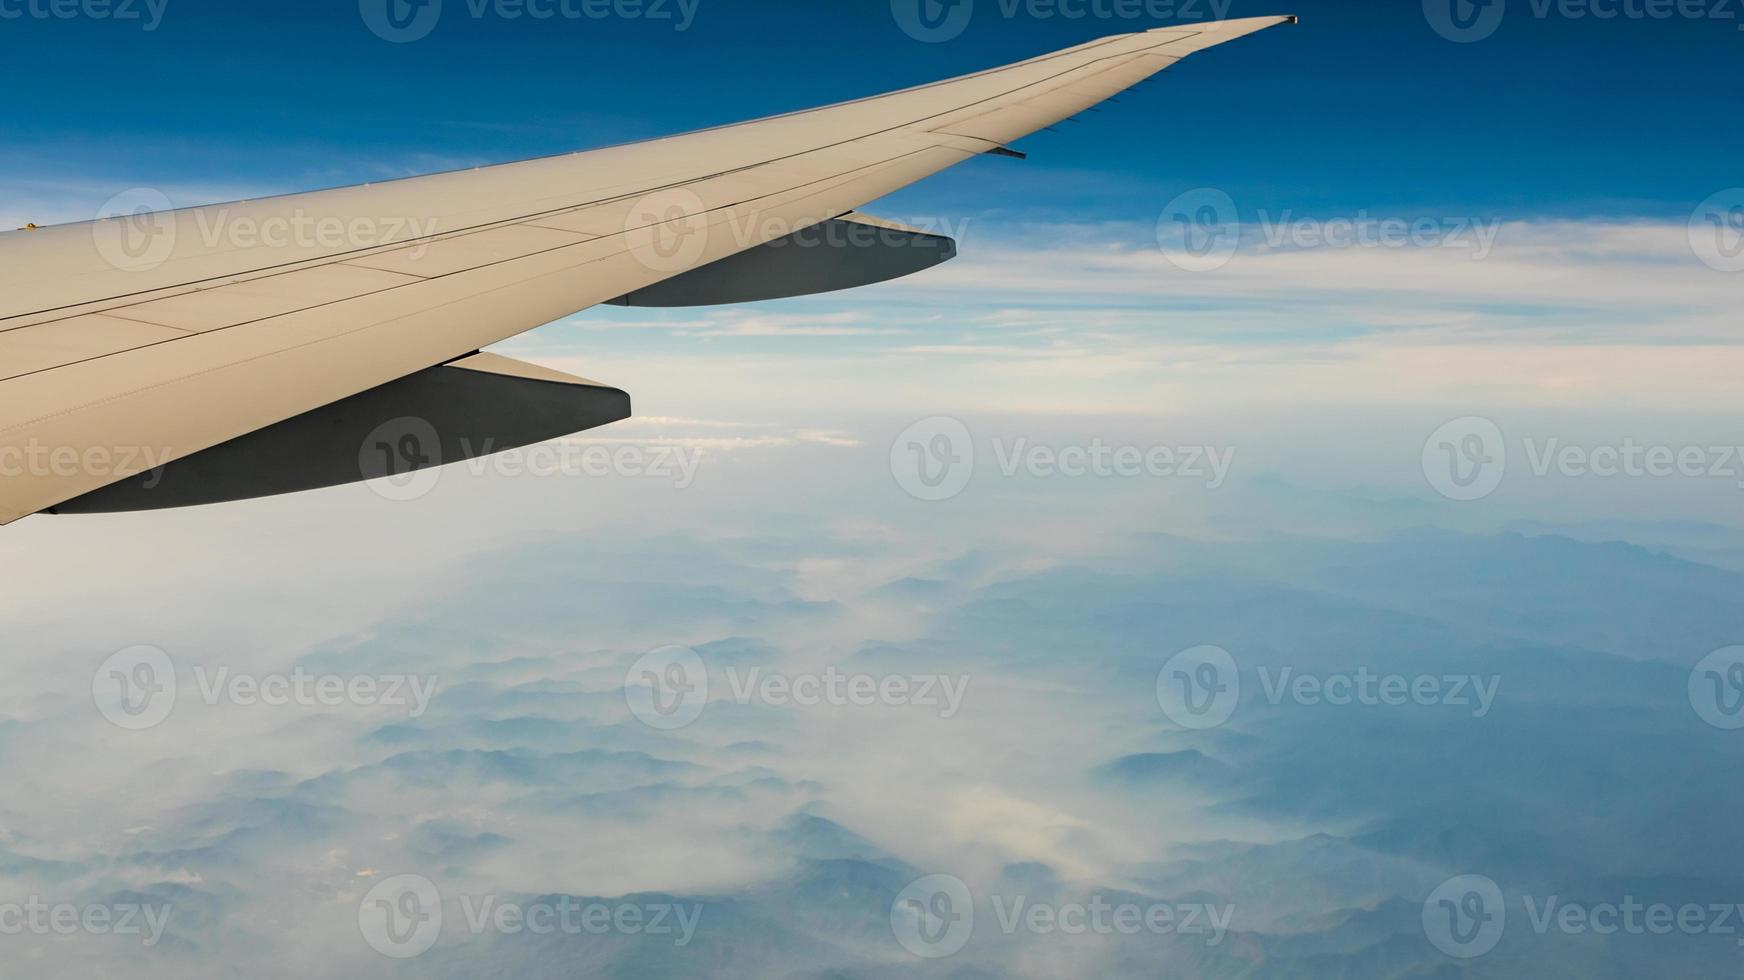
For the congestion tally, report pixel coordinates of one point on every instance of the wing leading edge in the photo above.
(133, 342)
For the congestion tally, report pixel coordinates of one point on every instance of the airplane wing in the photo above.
(262, 346)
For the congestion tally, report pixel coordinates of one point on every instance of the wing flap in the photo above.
(842, 253)
(476, 406)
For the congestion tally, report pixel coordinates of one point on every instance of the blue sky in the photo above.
(1364, 105)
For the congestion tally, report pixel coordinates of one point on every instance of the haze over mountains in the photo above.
(1569, 767)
